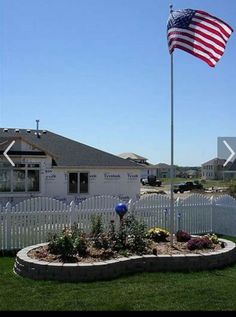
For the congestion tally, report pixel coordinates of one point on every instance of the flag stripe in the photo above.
(199, 54)
(198, 33)
(226, 26)
(208, 35)
(218, 26)
(191, 41)
(198, 37)
(205, 28)
(195, 48)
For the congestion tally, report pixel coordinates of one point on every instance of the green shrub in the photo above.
(136, 239)
(80, 245)
(68, 243)
(131, 236)
(102, 241)
(97, 227)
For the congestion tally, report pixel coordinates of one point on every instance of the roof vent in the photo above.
(38, 134)
(28, 131)
(17, 130)
(5, 130)
(44, 131)
(37, 129)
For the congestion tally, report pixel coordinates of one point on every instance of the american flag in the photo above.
(198, 33)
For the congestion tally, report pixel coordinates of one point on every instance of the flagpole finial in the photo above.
(171, 8)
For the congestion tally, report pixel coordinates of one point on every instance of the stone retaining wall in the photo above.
(41, 270)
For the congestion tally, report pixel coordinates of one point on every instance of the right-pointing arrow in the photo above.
(5, 153)
(231, 155)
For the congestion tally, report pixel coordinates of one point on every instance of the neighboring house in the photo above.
(213, 169)
(163, 170)
(48, 164)
(147, 168)
(134, 157)
(191, 173)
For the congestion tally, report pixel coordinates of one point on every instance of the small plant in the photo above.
(102, 241)
(213, 237)
(136, 238)
(182, 236)
(157, 234)
(199, 243)
(131, 236)
(80, 245)
(68, 243)
(96, 222)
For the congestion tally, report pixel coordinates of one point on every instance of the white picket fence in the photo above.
(224, 215)
(31, 221)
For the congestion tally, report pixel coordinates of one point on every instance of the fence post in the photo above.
(131, 206)
(8, 226)
(177, 214)
(165, 218)
(213, 206)
(73, 218)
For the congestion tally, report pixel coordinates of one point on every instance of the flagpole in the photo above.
(172, 147)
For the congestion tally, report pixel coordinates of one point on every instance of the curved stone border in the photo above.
(41, 270)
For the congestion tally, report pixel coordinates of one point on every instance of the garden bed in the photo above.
(42, 253)
(102, 270)
(72, 255)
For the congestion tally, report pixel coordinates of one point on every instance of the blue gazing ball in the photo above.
(121, 209)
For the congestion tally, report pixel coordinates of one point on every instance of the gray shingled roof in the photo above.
(215, 161)
(67, 152)
(162, 165)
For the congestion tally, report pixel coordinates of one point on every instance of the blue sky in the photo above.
(98, 71)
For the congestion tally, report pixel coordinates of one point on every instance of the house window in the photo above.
(21, 178)
(33, 181)
(73, 183)
(19, 181)
(5, 181)
(83, 183)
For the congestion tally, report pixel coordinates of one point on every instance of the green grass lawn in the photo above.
(207, 290)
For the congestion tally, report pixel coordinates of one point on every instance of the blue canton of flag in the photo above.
(198, 33)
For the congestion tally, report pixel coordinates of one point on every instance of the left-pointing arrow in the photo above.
(5, 152)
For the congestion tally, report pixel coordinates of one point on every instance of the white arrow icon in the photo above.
(5, 152)
(231, 155)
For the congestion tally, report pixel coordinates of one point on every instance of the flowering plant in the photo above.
(68, 243)
(182, 236)
(199, 243)
(213, 237)
(158, 234)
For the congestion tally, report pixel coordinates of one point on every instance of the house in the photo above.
(163, 170)
(48, 164)
(147, 168)
(213, 169)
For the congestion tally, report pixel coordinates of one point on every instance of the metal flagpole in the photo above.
(172, 147)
